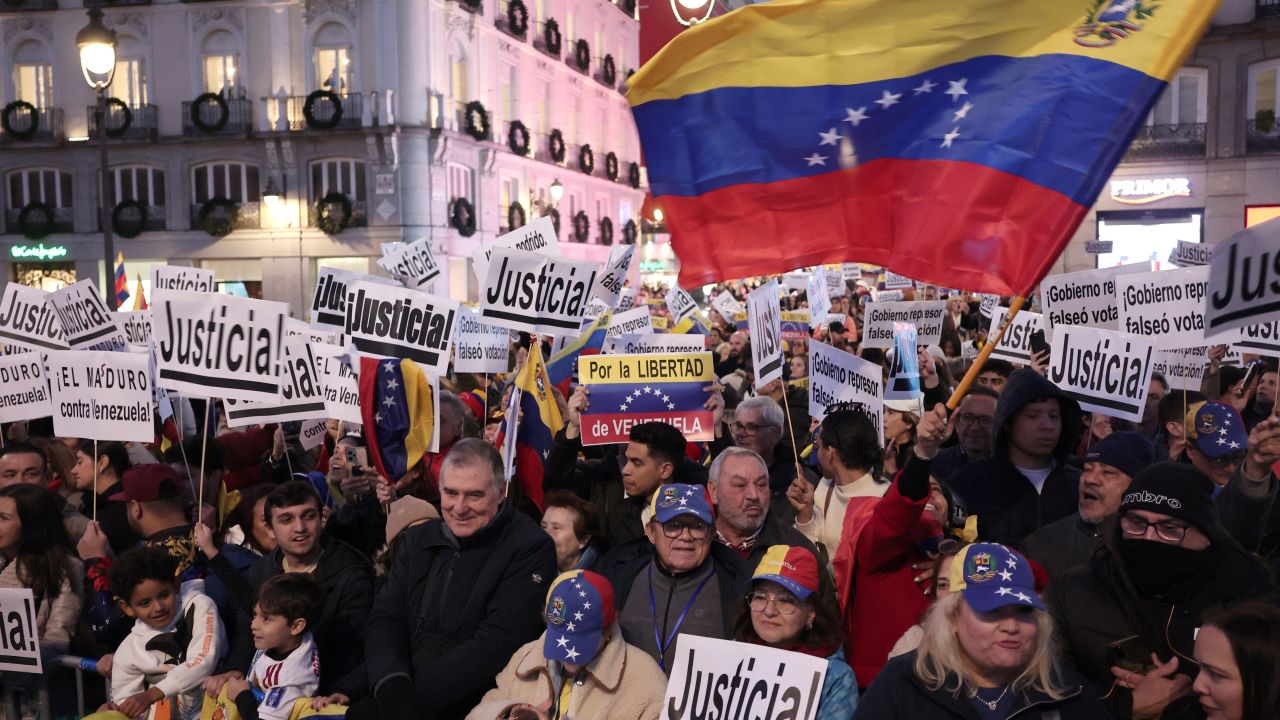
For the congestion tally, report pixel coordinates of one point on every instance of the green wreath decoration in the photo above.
(581, 226)
(586, 159)
(633, 175)
(129, 218)
(309, 110)
(125, 110)
(462, 217)
(554, 214)
(606, 231)
(611, 166)
(220, 121)
(515, 216)
(472, 5)
(329, 222)
(476, 120)
(6, 119)
(609, 70)
(517, 17)
(35, 220)
(518, 138)
(217, 216)
(629, 232)
(582, 54)
(551, 36)
(555, 144)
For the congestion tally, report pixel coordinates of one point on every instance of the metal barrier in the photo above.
(10, 710)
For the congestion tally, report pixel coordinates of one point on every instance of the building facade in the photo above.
(267, 138)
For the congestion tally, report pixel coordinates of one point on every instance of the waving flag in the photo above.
(561, 367)
(140, 302)
(539, 415)
(959, 143)
(122, 282)
(396, 410)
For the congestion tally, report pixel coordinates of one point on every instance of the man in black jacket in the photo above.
(1164, 562)
(464, 593)
(1028, 482)
(293, 512)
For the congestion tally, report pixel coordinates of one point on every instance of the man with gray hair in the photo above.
(759, 425)
(452, 419)
(465, 592)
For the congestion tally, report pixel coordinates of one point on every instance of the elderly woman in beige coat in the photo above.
(580, 668)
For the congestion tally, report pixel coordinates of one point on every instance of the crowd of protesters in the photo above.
(1014, 557)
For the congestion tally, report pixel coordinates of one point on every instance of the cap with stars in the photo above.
(675, 499)
(1216, 429)
(579, 609)
(992, 576)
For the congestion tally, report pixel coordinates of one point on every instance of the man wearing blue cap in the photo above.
(1109, 466)
(1240, 465)
(677, 580)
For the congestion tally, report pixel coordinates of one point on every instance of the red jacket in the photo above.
(886, 601)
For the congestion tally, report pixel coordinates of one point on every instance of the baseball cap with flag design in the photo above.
(991, 576)
(1216, 429)
(675, 499)
(579, 609)
(794, 568)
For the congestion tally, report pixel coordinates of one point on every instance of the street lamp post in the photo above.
(97, 47)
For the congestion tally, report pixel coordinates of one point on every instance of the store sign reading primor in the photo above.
(1148, 190)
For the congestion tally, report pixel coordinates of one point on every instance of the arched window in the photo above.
(332, 58)
(33, 74)
(459, 78)
(339, 175)
(234, 181)
(130, 81)
(137, 182)
(220, 62)
(43, 185)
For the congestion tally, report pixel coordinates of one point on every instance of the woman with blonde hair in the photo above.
(988, 651)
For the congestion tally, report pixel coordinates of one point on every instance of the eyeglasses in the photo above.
(1227, 460)
(675, 528)
(1136, 526)
(748, 429)
(983, 421)
(784, 604)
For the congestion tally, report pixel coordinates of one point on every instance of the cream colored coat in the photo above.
(526, 679)
(55, 619)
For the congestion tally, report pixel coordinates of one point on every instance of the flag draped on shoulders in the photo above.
(396, 407)
(958, 143)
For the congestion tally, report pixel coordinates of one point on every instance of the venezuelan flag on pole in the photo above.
(396, 407)
(540, 416)
(122, 281)
(959, 143)
(140, 302)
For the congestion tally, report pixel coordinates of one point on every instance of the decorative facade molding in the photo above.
(233, 16)
(38, 26)
(134, 23)
(345, 9)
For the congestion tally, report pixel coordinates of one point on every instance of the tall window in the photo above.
(544, 112)
(1264, 87)
(460, 182)
(510, 190)
(342, 176)
(220, 60)
(43, 185)
(237, 182)
(1185, 101)
(459, 68)
(507, 99)
(333, 58)
(33, 74)
(144, 184)
(130, 81)
(572, 130)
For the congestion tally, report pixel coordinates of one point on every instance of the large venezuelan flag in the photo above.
(539, 415)
(396, 406)
(959, 142)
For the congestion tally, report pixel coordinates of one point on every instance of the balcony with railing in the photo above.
(63, 218)
(1268, 8)
(1165, 142)
(502, 21)
(152, 221)
(24, 125)
(320, 112)
(540, 40)
(1262, 137)
(22, 6)
(208, 117)
(359, 214)
(248, 216)
(127, 123)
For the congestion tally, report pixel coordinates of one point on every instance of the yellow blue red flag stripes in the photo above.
(539, 415)
(956, 142)
(397, 413)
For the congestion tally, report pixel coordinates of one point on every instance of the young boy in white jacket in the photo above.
(175, 643)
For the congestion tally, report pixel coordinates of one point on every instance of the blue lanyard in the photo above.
(653, 607)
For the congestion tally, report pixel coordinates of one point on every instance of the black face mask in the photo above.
(1169, 571)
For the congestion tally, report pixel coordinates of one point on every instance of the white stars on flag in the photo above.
(816, 159)
(950, 137)
(888, 100)
(830, 137)
(956, 88)
(963, 112)
(855, 117)
(925, 87)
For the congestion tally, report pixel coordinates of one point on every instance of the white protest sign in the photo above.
(726, 305)
(294, 327)
(392, 321)
(838, 376)
(988, 304)
(301, 392)
(480, 347)
(792, 680)
(885, 296)
(1015, 346)
(538, 237)
(894, 281)
(819, 300)
(1191, 254)
(101, 395)
(1262, 339)
(339, 372)
(1098, 247)
(614, 275)
(626, 300)
(904, 373)
(1105, 371)
(24, 391)
(28, 321)
(652, 343)
(680, 304)
(1085, 299)
(136, 326)
(1167, 307)
(1244, 280)
(213, 345)
(764, 320)
(635, 321)
(390, 248)
(173, 277)
(329, 302)
(536, 293)
(925, 315)
(311, 433)
(795, 281)
(20, 649)
(835, 284)
(86, 322)
(1184, 369)
(414, 264)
